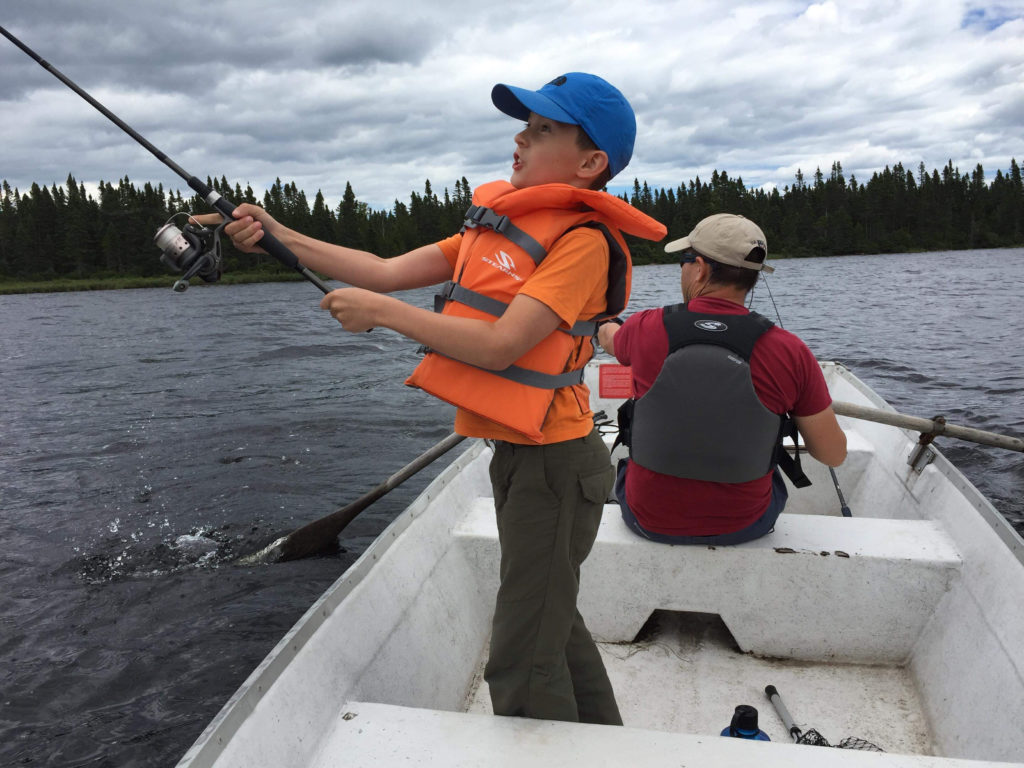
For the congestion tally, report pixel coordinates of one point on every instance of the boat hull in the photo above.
(902, 627)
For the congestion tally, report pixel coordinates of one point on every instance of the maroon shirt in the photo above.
(787, 379)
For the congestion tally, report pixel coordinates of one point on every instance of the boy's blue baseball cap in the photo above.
(595, 105)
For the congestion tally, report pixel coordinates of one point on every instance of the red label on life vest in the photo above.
(615, 381)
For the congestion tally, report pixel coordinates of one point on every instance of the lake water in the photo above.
(147, 438)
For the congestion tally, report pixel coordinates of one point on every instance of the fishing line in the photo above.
(191, 251)
(764, 279)
(843, 506)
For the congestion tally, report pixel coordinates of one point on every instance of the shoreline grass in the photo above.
(60, 285)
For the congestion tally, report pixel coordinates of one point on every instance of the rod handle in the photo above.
(268, 242)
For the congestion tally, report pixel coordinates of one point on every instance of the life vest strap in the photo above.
(542, 380)
(525, 376)
(452, 291)
(482, 216)
(790, 465)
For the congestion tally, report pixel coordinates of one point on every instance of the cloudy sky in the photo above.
(387, 94)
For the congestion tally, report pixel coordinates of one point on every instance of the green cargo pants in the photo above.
(543, 662)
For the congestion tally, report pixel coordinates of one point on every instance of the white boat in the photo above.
(902, 625)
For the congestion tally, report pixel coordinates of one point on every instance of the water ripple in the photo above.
(149, 437)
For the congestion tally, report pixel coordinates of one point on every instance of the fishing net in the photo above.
(815, 739)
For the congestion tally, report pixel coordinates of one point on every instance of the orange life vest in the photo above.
(507, 234)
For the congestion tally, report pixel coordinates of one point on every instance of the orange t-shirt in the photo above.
(572, 282)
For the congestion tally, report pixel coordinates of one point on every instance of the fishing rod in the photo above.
(194, 250)
(843, 506)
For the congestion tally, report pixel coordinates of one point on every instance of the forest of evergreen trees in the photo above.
(61, 232)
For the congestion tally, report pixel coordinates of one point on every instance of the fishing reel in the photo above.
(194, 250)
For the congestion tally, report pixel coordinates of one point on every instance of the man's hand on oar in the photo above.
(321, 535)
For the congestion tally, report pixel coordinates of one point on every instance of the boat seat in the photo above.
(818, 588)
(366, 735)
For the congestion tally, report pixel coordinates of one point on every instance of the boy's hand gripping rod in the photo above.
(268, 242)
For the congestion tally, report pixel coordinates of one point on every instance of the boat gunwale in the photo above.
(1006, 532)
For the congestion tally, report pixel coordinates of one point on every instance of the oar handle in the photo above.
(787, 719)
(927, 426)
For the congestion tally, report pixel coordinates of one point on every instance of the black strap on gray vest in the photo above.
(702, 419)
(790, 465)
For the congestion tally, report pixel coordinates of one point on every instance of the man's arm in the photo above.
(824, 438)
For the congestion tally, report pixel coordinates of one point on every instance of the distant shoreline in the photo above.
(61, 285)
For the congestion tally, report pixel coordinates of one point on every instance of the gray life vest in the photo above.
(702, 418)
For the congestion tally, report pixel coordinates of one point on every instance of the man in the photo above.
(713, 385)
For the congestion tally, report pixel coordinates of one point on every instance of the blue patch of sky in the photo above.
(989, 17)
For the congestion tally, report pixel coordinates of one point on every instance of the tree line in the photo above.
(63, 232)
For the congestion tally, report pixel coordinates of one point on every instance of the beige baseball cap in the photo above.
(726, 238)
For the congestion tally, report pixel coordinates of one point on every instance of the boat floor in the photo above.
(677, 686)
(685, 674)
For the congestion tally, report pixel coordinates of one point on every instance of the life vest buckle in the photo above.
(474, 215)
(482, 216)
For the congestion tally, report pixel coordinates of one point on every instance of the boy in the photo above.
(540, 259)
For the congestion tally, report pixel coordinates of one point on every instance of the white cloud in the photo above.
(387, 95)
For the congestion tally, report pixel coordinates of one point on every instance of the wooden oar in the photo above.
(932, 427)
(321, 535)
